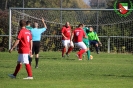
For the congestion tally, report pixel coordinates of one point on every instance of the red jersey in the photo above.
(78, 35)
(24, 37)
(67, 32)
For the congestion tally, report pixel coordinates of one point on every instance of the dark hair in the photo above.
(22, 23)
(28, 22)
(90, 26)
(80, 25)
(34, 24)
(35, 21)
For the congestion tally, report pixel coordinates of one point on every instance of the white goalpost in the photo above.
(115, 32)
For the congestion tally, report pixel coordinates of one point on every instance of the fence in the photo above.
(115, 32)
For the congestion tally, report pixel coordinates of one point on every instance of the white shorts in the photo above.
(23, 58)
(67, 43)
(81, 45)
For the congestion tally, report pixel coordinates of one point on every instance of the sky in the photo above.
(87, 2)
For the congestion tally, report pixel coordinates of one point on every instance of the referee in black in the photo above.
(36, 37)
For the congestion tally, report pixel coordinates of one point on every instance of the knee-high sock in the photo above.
(80, 53)
(30, 60)
(37, 60)
(63, 51)
(69, 50)
(18, 67)
(88, 54)
(97, 49)
(28, 69)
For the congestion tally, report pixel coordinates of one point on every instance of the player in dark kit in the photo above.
(36, 37)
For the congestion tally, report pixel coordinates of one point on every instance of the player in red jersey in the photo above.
(78, 34)
(66, 34)
(24, 42)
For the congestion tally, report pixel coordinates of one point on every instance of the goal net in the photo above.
(115, 32)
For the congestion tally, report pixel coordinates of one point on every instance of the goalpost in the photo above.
(115, 32)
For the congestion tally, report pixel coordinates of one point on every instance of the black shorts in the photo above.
(93, 42)
(36, 47)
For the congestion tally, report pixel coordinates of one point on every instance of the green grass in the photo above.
(104, 71)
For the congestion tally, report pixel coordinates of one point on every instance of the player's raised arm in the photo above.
(44, 23)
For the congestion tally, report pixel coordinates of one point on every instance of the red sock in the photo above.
(81, 53)
(18, 67)
(69, 50)
(63, 51)
(28, 69)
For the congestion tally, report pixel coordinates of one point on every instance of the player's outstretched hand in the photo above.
(10, 50)
(43, 20)
(100, 43)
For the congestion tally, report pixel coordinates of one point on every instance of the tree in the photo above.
(4, 29)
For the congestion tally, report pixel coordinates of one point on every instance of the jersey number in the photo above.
(28, 38)
(77, 33)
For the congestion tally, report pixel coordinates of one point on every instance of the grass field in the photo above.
(104, 71)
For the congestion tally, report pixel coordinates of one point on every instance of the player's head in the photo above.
(28, 22)
(91, 28)
(67, 24)
(81, 25)
(35, 24)
(87, 29)
(22, 23)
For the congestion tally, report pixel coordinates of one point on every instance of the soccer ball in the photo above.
(91, 57)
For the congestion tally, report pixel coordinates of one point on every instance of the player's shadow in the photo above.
(54, 58)
(69, 59)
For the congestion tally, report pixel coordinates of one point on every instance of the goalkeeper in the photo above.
(93, 39)
(86, 42)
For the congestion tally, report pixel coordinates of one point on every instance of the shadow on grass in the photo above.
(116, 75)
(112, 75)
(48, 57)
(69, 59)
(56, 58)
(53, 58)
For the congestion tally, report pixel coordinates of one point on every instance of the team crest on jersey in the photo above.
(124, 8)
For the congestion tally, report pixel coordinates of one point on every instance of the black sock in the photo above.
(97, 49)
(30, 60)
(36, 59)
